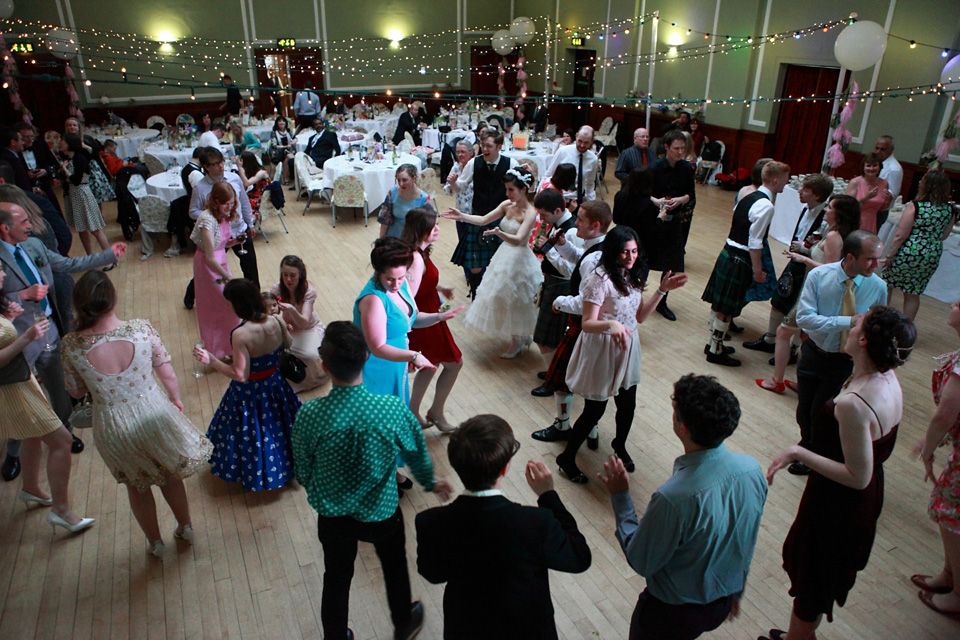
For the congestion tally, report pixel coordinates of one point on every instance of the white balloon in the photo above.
(523, 30)
(502, 42)
(62, 43)
(6, 8)
(950, 76)
(860, 45)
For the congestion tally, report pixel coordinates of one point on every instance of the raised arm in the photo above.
(480, 221)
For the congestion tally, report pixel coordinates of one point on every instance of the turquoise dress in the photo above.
(379, 375)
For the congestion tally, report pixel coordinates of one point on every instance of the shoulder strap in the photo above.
(879, 422)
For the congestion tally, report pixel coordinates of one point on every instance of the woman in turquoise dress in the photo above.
(251, 429)
(401, 199)
(386, 313)
(914, 253)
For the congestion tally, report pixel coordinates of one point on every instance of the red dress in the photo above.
(436, 342)
(831, 539)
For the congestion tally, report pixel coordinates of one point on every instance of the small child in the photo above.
(272, 302)
(110, 158)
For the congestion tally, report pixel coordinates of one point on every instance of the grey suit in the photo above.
(47, 363)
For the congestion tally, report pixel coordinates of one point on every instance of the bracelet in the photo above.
(415, 354)
(662, 292)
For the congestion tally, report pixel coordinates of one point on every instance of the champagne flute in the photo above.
(197, 365)
(38, 317)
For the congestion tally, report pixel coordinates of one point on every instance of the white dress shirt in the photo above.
(466, 176)
(574, 303)
(760, 214)
(209, 139)
(569, 154)
(892, 172)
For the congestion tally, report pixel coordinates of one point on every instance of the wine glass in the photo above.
(197, 365)
(38, 317)
(242, 238)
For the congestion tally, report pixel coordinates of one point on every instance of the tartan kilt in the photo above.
(550, 325)
(471, 253)
(556, 379)
(727, 288)
(798, 271)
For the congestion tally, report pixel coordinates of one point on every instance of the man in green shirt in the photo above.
(345, 447)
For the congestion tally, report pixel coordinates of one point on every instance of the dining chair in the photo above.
(348, 191)
(154, 165)
(154, 213)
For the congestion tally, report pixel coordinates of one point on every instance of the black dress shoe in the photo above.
(727, 350)
(593, 443)
(665, 311)
(406, 483)
(734, 327)
(552, 434)
(624, 456)
(541, 392)
(571, 470)
(77, 445)
(760, 345)
(798, 469)
(349, 631)
(542, 375)
(722, 359)
(413, 627)
(11, 468)
(793, 357)
(188, 302)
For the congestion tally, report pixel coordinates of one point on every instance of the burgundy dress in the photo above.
(831, 538)
(436, 342)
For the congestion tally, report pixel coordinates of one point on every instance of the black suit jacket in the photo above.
(322, 147)
(19, 166)
(494, 556)
(407, 123)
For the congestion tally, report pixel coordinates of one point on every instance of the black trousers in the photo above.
(820, 375)
(626, 402)
(339, 537)
(654, 619)
(248, 266)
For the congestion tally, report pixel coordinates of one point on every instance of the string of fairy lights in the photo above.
(105, 62)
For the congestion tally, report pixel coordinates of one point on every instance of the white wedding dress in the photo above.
(505, 298)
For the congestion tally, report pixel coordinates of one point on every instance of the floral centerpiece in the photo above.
(114, 124)
(187, 133)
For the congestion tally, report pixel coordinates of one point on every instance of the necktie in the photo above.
(28, 274)
(799, 222)
(492, 166)
(643, 157)
(580, 180)
(848, 307)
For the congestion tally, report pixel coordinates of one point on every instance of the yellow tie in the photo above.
(848, 307)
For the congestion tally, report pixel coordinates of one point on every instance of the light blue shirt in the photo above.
(307, 103)
(818, 310)
(13, 248)
(202, 189)
(695, 542)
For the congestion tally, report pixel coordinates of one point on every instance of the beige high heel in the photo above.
(27, 498)
(56, 521)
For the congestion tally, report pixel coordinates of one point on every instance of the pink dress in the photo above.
(870, 208)
(215, 316)
(944, 506)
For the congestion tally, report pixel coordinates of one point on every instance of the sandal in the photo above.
(572, 471)
(927, 598)
(921, 581)
(790, 384)
(777, 387)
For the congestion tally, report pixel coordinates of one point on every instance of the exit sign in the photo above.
(286, 42)
(21, 47)
(576, 41)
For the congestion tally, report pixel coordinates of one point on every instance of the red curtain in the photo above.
(802, 127)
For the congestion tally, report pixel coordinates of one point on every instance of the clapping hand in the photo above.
(614, 476)
(539, 477)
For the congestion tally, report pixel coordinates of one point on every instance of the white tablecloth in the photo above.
(129, 142)
(377, 178)
(538, 155)
(434, 139)
(179, 157)
(167, 185)
(304, 138)
(262, 131)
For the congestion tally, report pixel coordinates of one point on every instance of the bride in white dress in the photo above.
(505, 298)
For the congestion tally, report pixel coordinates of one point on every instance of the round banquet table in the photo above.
(434, 139)
(167, 185)
(129, 142)
(304, 138)
(539, 155)
(377, 177)
(179, 157)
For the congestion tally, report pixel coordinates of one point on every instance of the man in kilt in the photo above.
(739, 263)
(674, 191)
(556, 268)
(593, 220)
(474, 250)
(814, 191)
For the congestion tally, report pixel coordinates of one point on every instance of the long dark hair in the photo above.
(245, 299)
(640, 182)
(623, 279)
(296, 296)
(417, 226)
(94, 296)
(251, 166)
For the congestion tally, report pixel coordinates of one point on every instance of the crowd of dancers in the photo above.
(544, 266)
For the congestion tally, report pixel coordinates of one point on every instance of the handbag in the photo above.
(785, 285)
(291, 367)
(277, 155)
(82, 415)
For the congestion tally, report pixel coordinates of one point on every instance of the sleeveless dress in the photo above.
(944, 506)
(598, 368)
(81, 209)
(504, 303)
(435, 342)
(305, 344)
(870, 208)
(251, 428)
(140, 434)
(917, 260)
(831, 538)
(379, 375)
(215, 317)
(26, 411)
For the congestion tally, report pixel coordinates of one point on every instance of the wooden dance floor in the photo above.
(256, 567)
